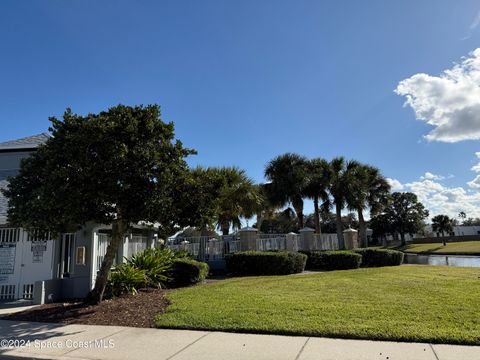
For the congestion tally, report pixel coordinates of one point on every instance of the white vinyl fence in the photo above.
(269, 242)
(325, 242)
(211, 248)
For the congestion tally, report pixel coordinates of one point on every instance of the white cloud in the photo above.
(476, 167)
(441, 199)
(429, 176)
(475, 22)
(449, 102)
(475, 183)
(395, 184)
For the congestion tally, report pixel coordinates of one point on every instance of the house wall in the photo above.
(79, 283)
(23, 262)
(10, 162)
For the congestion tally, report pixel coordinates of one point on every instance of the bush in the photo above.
(265, 263)
(183, 254)
(185, 272)
(125, 279)
(156, 263)
(332, 260)
(380, 257)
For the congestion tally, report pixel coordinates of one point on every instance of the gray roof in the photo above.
(3, 203)
(30, 142)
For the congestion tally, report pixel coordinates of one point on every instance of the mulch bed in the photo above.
(138, 310)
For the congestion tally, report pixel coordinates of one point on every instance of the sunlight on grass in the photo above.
(407, 303)
(465, 247)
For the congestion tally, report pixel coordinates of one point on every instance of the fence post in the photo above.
(211, 249)
(202, 249)
(306, 237)
(248, 238)
(290, 239)
(350, 237)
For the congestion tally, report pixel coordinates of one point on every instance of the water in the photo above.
(448, 260)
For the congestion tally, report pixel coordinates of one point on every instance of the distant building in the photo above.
(460, 230)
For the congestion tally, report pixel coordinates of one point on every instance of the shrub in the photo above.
(185, 272)
(380, 257)
(125, 279)
(332, 260)
(156, 263)
(265, 263)
(183, 254)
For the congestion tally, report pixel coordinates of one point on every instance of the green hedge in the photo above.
(265, 263)
(186, 272)
(332, 260)
(380, 257)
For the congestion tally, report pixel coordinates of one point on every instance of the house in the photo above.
(46, 266)
(458, 230)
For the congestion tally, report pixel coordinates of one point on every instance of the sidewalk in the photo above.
(72, 342)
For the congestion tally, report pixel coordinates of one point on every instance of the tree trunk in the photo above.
(225, 227)
(338, 220)
(301, 223)
(318, 229)
(362, 229)
(402, 238)
(259, 221)
(298, 206)
(119, 230)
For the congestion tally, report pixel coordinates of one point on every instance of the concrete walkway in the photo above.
(10, 307)
(50, 341)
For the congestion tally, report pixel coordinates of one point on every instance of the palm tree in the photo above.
(266, 208)
(286, 174)
(342, 178)
(368, 189)
(442, 224)
(238, 197)
(316, 187)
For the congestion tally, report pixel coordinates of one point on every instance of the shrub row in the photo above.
(332, 260)
(265, 263)
(342, 260)
(380, 257)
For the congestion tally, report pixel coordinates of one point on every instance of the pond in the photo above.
(448, 260)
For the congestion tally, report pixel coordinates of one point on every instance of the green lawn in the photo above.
(465, 247)
(406, 303)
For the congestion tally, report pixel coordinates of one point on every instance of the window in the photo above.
(9, 235)
(80, 255)
(67, 247)
(7, 292)
(27, 291)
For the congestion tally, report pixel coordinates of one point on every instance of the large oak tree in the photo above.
(118, 167)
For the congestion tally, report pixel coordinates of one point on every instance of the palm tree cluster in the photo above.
(230, 195)
(338, 183)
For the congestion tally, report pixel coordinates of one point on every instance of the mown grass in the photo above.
(458, 248)
(406, 303)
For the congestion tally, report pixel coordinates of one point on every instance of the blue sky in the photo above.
(245, 81)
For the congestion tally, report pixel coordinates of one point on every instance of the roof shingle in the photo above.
(30, 142)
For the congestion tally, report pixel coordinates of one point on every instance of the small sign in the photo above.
(40, 245)
(80, 255)
(7, 258)
(38, 248)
